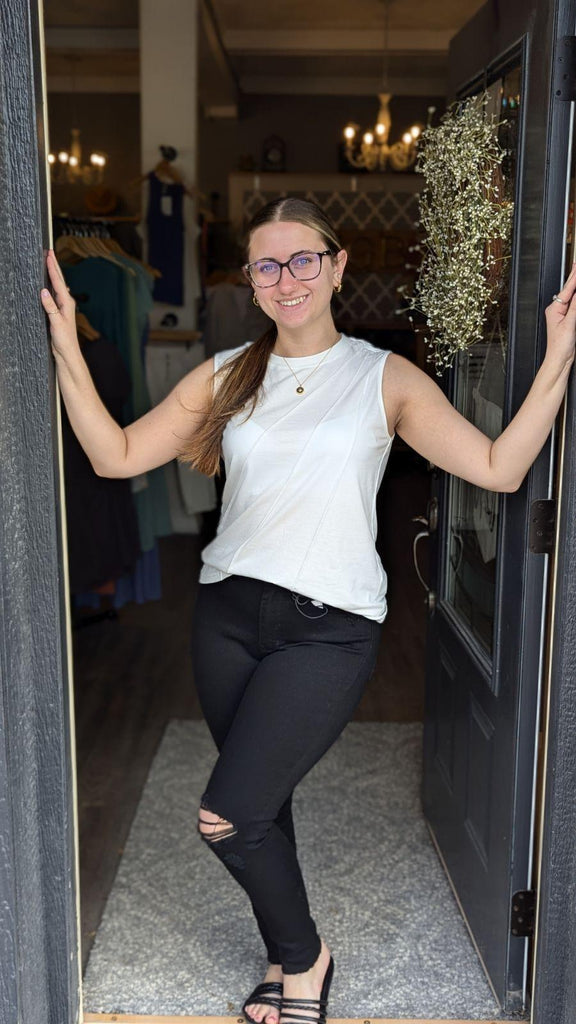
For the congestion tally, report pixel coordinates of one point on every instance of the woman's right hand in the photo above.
(60, 309)
(114, 451)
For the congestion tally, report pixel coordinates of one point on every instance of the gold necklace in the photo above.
(301, 383)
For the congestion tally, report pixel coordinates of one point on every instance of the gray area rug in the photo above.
(178, 937)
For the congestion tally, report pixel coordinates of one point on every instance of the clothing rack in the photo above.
(107, 218)
(83, 227)
(88, 226)
(103, 227)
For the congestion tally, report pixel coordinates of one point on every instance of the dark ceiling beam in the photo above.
(342, 85)
(92, 38)
(250, 42)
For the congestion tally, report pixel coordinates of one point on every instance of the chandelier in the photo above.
(66, 167)
(372, 151)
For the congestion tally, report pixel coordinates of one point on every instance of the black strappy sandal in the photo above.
(320, 1006)
(273, 989)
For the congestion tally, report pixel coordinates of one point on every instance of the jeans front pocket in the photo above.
(334, 625)
(308, 607)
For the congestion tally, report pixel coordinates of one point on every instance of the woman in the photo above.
(292, 593)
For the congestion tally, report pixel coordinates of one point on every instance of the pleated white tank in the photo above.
(302, 475)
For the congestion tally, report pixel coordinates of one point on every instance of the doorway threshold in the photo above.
(122, 1018)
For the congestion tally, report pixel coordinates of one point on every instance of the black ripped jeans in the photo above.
(278, 677)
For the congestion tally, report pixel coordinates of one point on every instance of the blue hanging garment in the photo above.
(165, 223)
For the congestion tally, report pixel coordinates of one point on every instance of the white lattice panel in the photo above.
(387, 210)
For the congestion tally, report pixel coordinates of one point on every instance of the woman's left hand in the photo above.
(561, 323)
(427, 421)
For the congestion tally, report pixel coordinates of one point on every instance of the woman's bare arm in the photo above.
(150, 441)
(422, 415)
(158, 436)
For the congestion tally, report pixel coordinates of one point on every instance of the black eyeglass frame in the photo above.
(270, 259)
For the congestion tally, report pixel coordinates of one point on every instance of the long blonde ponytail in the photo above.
(236, 385)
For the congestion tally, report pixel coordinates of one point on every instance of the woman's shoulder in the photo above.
(367, 350)
(220, 358)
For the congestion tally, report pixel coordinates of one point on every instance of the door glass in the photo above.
(480, 378)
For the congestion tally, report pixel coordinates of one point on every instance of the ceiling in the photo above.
(87, 13)
(261, 15)
(329, 47)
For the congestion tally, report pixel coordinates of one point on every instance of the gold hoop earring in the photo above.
(338, 287)
(254, 299)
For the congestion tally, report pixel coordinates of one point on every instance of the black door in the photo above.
(484, 659)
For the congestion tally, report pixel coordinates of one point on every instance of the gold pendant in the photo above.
(300, 390)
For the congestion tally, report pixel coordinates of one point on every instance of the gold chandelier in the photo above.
(66, 166)
(372, 151)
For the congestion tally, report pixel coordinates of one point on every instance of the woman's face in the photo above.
(292, 303)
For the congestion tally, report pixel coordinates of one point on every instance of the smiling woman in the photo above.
(287, 620)
(302, 275)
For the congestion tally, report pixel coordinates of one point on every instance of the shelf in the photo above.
(161, 334)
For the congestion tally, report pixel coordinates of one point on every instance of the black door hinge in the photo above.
(565, 69)
(542, 526)
(523, 913)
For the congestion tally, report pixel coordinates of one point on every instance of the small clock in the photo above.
(274, 154)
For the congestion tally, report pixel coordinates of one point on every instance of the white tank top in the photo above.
(302, 474)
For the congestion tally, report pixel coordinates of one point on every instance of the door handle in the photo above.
(432, 514)
(430, 521)
(422, 533)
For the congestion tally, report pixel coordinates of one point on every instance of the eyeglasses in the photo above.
(304, 266)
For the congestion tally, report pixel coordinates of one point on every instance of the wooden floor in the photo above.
(118, 1018)
(133, 674)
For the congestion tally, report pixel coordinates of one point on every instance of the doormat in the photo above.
(177, 935)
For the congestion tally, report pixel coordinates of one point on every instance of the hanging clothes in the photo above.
(114, 291)
(142, 584)
(109, 295)
(165, 226)
(231, 318)
(116, 297)
(102, 527)
(190, 492)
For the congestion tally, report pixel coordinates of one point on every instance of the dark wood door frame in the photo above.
(39, 976)
(491, 33)
(554, 994)
(39, 968)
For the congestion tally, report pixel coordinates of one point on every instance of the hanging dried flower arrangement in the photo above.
(467, 224)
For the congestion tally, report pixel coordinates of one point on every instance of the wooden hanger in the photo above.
(115, 246)
(71, 248)
(165, 169)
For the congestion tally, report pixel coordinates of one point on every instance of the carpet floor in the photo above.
(177, 935)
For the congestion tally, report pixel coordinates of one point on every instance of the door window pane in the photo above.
(480, 383)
